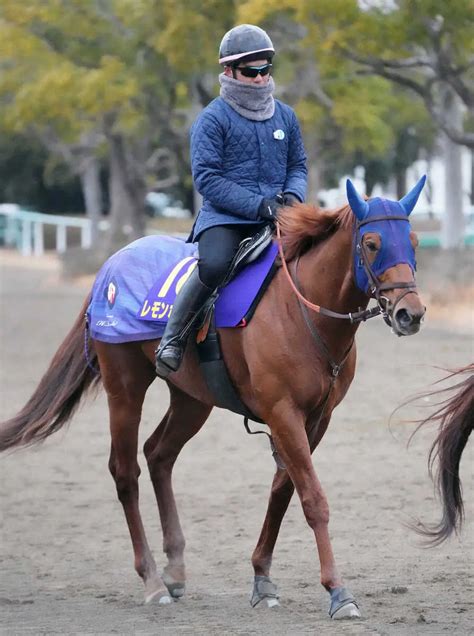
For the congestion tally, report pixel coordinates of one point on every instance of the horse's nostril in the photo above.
(404, 318)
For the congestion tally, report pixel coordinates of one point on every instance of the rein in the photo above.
(384, 306)
(357, 316)
(336, 367)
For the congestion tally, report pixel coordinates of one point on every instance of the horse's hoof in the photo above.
(343, 604)
(165, 600)
(162, 596)
(264, 590)
(156, 591)
(175, 588)
(346, 611)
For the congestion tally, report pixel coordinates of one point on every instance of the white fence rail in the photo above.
(25, 230)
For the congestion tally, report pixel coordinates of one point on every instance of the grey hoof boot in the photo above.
(343, 604)
(264, 590)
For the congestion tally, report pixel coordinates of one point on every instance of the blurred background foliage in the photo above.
(97, 96)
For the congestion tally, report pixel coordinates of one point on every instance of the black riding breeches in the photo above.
(217, 247)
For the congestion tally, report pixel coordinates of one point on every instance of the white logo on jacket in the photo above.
(279, 134)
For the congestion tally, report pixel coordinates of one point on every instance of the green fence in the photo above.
(24, 230)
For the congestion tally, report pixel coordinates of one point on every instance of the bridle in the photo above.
(387, 308)
(384, 306)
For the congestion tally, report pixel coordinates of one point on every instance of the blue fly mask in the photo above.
(387, 220)
(382, 241)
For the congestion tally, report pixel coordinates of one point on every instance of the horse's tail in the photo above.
(455, 415)
(69, 376)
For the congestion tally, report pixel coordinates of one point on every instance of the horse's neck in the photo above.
(326, 276)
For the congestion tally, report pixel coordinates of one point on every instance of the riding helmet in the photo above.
(245, 42)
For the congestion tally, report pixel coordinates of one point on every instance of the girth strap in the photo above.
(217, 377)
(219, 383)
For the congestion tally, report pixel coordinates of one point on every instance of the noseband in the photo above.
(377, 288)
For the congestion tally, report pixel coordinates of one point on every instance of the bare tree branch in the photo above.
(409, 62)
(75, 155)
(435, 109)
(163, 161)
(439, 71)
(445, 69)
(461, 137)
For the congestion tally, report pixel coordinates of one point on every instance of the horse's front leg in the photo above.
(288, 430)
(280, 496)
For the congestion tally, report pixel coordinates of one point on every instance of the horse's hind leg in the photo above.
(126, 375)
(183, 420)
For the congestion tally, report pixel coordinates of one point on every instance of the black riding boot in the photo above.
(190, 299)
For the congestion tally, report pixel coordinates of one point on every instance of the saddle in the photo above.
(249, 250)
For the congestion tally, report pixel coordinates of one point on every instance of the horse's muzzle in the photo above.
(406, 321)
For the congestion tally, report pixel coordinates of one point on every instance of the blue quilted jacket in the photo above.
(236, 162)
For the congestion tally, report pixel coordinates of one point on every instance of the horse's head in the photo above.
(384, 257)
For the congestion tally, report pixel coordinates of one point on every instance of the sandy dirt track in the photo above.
(65, 555)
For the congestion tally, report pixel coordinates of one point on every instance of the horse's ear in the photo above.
(357, 203)
(408, 202)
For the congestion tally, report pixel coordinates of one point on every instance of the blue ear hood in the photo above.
(408, 202)
(396, 247)
(357, 203)
(388, 219)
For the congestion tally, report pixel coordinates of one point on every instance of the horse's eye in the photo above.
(372, 243)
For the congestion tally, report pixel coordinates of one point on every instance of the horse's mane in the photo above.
(302, 225)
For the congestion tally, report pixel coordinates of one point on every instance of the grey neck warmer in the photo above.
(253, 101)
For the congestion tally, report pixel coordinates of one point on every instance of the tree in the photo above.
(30, 177)
(435, 59)
(110, 78)
(50, 89)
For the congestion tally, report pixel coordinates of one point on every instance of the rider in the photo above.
(247, 158)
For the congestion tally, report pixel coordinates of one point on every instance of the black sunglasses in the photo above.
(253, 71)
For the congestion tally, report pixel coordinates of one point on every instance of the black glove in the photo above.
(290, 199)
(269, 208)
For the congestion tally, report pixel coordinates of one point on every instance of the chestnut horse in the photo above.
(455, 417)
(290, 368)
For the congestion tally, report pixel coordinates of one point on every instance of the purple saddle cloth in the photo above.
(134, 290)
